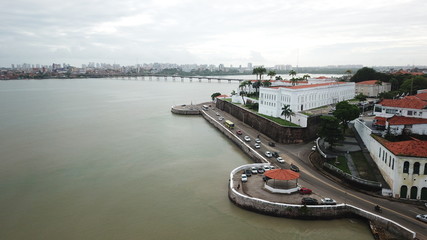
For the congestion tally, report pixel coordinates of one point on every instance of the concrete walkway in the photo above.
(351, 165)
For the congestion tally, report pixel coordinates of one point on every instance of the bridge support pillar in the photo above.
(200, 79)
(151, 78)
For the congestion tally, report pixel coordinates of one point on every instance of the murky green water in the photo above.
(105, 159)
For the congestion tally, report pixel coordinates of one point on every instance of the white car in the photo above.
(313, 148)
(220, 118)
(254, 170)
(257, 146)
(247, 139)
(422, 217)
(328, 201)
(257, 140)
(217, 113)
(268, 154)
(280, 160)
(244, 178)
(267, 168)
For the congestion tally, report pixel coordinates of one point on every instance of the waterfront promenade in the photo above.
(322, 185)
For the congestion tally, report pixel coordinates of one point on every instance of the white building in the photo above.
(303, 97)
(370, 88)
(402, 164)
(410, 106)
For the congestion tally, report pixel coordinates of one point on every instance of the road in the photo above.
(310, 177)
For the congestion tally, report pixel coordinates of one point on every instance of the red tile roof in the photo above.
(411, 73)
(313, 85)
(412, 148)
(380, 121)
(369, 82)
(406, 102)
(422, 96)
(400, 120)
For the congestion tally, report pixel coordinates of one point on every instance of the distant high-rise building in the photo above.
(250, 65)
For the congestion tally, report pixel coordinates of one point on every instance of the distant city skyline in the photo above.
(303, 33)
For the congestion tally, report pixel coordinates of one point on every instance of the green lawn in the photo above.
(341, 164)
(279, 121)
(364, 169)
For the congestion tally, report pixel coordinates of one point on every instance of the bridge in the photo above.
(175, 77)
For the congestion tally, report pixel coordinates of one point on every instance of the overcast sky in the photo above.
(267, 32)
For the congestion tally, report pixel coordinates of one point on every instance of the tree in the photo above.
(259, 71)
(271, 74)
(214, 95)
(266, 83)
(414, 84)
(305, 76)
(279, 78)
(361, 97)
(256, 85)
(287, 112)
(366, 73)
(292, 73)
(330, 130)
(294, 81)
(378, 83)
(346, 112)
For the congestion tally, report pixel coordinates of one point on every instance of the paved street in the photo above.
(324, 186)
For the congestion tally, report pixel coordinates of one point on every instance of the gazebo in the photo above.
(283, 175)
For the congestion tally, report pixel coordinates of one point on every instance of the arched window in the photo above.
(403, 191)
(417, 168)
(406, 167)
(424, 193)
(414, 191)
(425, 169)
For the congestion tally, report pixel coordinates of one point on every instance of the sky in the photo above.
(268, 32)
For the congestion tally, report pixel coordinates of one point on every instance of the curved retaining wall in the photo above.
(183, 110)
(311, 212)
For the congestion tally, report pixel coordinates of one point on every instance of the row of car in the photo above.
(254, 170)
(313, 201)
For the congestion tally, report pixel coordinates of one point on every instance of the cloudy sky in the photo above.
(268, 32)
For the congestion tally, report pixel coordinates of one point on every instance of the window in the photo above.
(417, 168)
(425, 169)
(379, 154)
(403, 191)
(414, 191)
(406, 167)
(409, 113)
(391, 111)
(392, 165)
(378, 109)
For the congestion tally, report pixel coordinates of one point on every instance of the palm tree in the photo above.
(256, 72)
(266, 83)
(294, 81)
(256, 85)
(262, 71)
(279, 78)
(305, 76)
(292, 73)
(287, 112)
(271, 74)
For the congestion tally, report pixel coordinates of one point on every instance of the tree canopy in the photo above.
(330, 130)
(346, 112)
(366, 73)
(214, 95)
(413, 84)
(259, 71)
(287, 112)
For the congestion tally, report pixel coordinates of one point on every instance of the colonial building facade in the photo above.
(372, 88)
(303, 97)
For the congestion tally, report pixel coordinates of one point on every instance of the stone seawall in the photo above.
(313, 211)
(255, 156)
(186, 110)
(278, 133)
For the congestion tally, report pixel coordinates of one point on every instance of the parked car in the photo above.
(267, 168)
(257, 146)
(271, 144)
(217, 113)
(268, 154)
(254, 170)
(244, 178)
(313, 148)
(305, 190)
(257, 140)
(247, 139)
(280, 160)
(261, 170)
(294, 168)
(328, 201)
(272, 167)
(422, 217)
(275, 154)
(309, 201)
(248, 172)
(239, 132)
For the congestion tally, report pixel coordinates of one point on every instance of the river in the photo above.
(106, 159)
